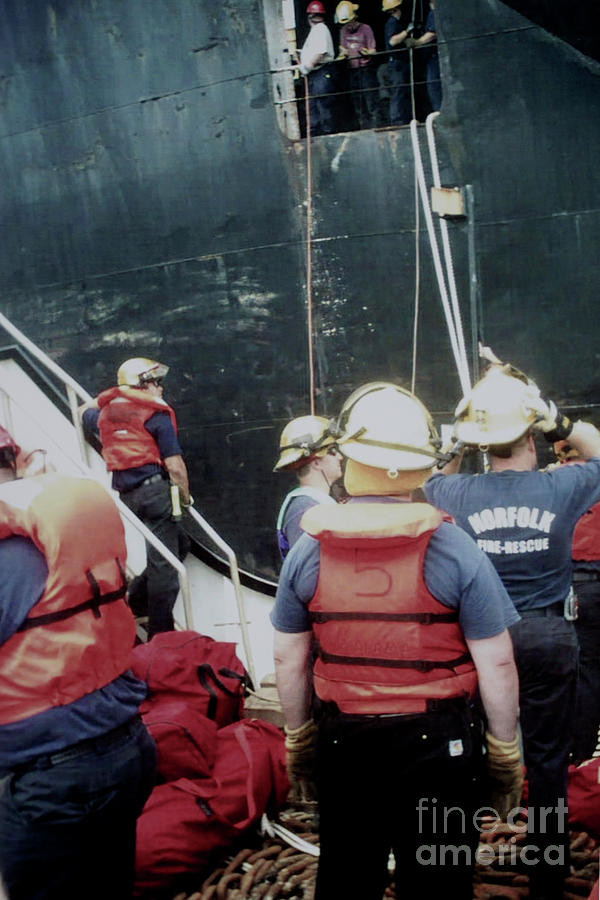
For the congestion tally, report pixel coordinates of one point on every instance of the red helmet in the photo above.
(315, 8)
(7, 443)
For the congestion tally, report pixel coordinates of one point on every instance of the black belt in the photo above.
(554, 609)
(586, 576)
(100, 743)
(152, 479)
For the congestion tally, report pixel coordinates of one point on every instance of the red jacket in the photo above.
(126, 444)
(384, 643)
(80, 634)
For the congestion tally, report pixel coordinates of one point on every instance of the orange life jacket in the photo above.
(80, 634)
(385, 645)
(126, 444)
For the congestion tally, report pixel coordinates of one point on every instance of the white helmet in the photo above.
(137, 371)
(500, 408)
(386, 427)
(301, 440)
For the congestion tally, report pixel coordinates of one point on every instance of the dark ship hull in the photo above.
(154, 203)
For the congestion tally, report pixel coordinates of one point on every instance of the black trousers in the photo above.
(159, 582)
(587, 707)
(407, 784)
(546, 656)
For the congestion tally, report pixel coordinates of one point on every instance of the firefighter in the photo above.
(586, 584)
(524, 520)
(404, 616)
(76, 762)
(306, 448)
(140, 445)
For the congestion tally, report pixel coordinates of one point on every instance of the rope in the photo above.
(446, 241)
(309, 298)
(463, 373)
(413, 378)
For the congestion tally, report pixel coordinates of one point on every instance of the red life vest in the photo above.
(126, 444)
(586, 539)
(385, 645)
(80, 634)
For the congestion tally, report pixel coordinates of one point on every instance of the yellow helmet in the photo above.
(389, 5)
(301, 440)
(499, 410)
(345, 12)
(135, 372)
(386, 427)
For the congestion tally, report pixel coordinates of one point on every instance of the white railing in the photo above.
(77, 394)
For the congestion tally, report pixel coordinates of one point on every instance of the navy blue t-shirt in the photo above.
(524, 522)
(458, 575)
(394, 26)
(24, 574)
(160, 426)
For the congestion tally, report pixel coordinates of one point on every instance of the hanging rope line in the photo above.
(457, 350)
(309, 297)
(413, 378)
(443, 225)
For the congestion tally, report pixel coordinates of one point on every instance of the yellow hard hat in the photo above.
(345, 12)
(499, 410)
(301, 440)
(137, 371)
(386, 427)
(389, 5)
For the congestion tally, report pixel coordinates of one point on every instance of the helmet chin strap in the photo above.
(326, 480)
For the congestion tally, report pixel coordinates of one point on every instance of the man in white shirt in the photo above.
(316, 62)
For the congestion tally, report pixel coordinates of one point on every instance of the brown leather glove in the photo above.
(505, 770)
(300, 745)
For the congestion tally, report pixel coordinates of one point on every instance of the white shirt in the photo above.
(319, 43)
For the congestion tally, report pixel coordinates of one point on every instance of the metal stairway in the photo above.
(38, 406)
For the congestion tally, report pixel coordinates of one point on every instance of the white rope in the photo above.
(274, 829)
(446, 242)
(413, 379)
(463, 373)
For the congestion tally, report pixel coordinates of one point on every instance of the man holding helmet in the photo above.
(524, 520)
(138, 431)
(306, 448)
(405, 617)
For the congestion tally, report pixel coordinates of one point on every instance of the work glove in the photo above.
(554, 425)
(505, 771)
(300, 746)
